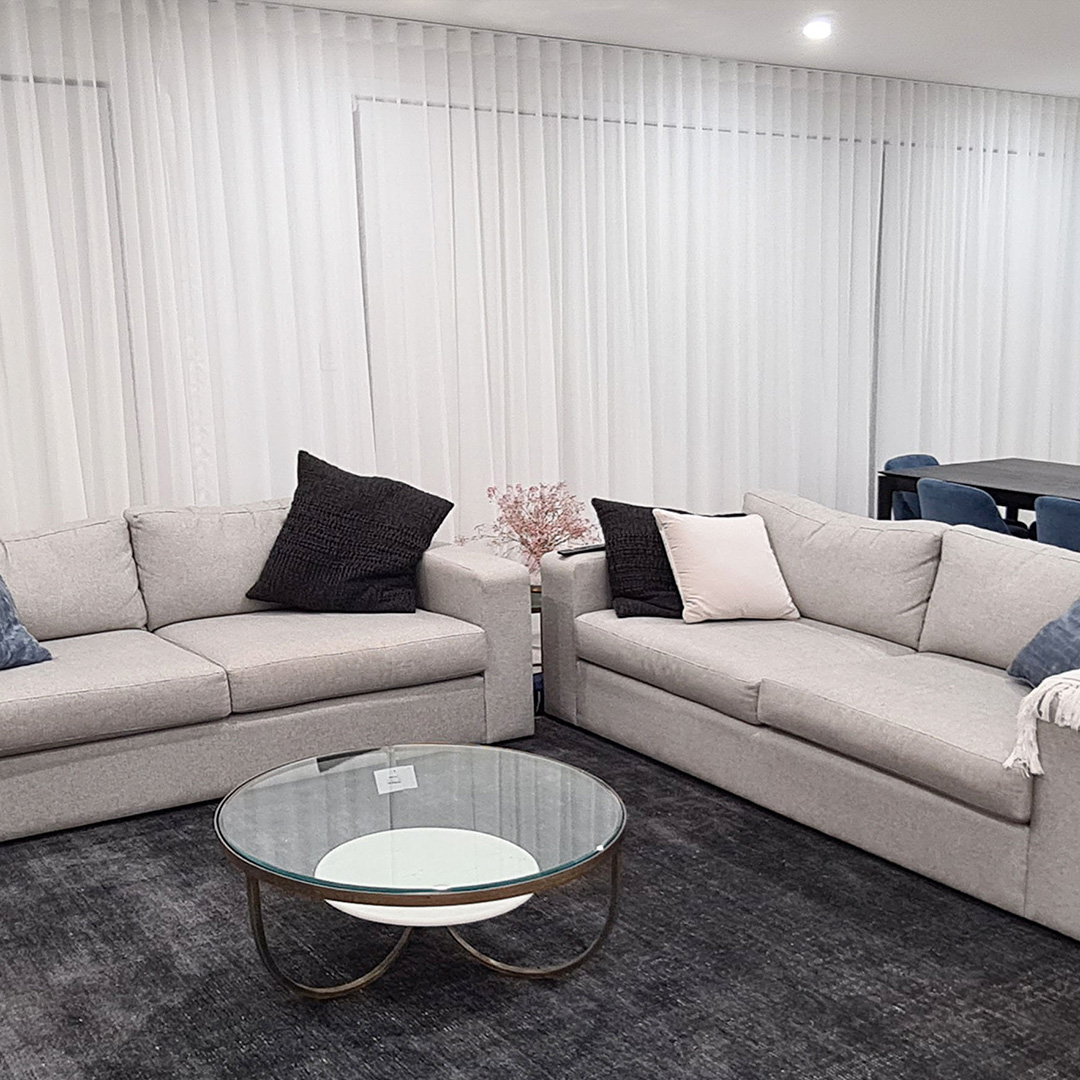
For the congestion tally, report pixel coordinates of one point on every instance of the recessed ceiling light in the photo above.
(817, 29)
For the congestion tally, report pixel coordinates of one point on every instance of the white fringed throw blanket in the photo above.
(1057, 701)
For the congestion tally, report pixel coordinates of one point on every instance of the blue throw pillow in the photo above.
(17, 645)
(1054, 649)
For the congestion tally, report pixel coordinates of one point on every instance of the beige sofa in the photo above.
(169, 686)
(881, 717)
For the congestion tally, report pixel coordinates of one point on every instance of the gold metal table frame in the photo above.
(257, 874)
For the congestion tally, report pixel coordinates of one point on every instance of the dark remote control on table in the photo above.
(582, 550)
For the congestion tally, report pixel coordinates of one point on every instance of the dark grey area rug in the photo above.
(747, 947)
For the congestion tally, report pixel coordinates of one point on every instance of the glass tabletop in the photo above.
(421, 819)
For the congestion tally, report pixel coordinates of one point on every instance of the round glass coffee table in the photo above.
(426, 835)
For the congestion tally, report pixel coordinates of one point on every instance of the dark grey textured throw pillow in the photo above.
(639, 573)
(638, 569)
(349, 543)
(18, 647)
(1054, 649)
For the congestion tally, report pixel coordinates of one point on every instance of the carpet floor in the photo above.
(747, 948)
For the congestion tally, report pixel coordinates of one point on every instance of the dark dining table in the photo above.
(1014, 483)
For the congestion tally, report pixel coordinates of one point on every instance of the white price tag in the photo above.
(399, 778)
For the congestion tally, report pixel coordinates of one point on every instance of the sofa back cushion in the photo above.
(74, 579)
(994, 593)
(867, 575)
(198, 562)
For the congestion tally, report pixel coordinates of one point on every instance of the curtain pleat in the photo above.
(229, 230)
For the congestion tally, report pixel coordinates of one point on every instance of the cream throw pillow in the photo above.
(725, 567)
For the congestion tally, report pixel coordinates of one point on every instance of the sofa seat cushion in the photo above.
(718, 664)
(940, 722)
(279, 658)
(98, 686)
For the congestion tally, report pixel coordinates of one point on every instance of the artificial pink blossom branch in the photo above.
(531, 521)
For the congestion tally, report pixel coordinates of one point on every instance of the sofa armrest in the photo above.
(1053, 880)
(492, 593)
(573, 585)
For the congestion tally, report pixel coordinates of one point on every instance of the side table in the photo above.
(536, 595)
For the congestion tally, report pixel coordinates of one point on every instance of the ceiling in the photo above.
(1031, 45)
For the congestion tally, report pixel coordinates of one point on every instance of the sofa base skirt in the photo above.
(112, 778)
(883, 814)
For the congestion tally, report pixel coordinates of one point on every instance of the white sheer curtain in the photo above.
(181, 306)
(228, 230)
(980, 279)
(65, 400)
(651, 276)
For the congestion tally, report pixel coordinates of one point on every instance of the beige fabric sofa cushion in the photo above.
(101, 685)
(279, 658)
(74, 579)
(944, 723)
(718, 664)
(994, 593)
(871, 576)
(198, 562)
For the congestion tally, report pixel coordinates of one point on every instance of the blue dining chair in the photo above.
(1057, 521)
(905, 504)
(958, 504)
